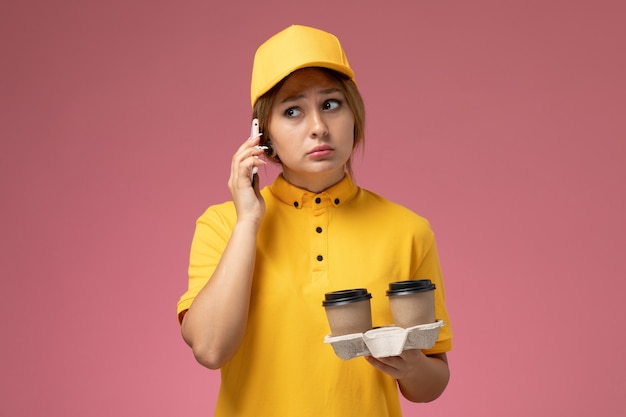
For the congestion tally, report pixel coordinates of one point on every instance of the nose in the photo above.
(319, 127)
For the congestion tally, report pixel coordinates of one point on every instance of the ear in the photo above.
(270, 151)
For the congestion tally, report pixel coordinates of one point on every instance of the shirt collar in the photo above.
(336, 195)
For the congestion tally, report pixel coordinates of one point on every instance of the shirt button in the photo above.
(318, 200)
(320, 258)
(295, 204)
(336, 201)
(318, 229)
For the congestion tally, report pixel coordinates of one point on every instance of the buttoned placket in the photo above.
(319, 235)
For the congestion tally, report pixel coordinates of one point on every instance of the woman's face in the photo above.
(312, 129)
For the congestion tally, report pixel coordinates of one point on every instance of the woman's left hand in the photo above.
(421, 378)
(399, 366)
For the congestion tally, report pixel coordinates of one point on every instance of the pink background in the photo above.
(502, 122)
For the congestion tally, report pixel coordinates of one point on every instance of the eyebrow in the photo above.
(298, 96)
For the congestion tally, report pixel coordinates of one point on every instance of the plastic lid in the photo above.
(410, 287)
(342, 297)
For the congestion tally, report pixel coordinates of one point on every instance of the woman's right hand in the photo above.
(215, 323)
(248, 200)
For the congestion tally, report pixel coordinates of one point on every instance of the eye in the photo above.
(292, 112)
(331, 104)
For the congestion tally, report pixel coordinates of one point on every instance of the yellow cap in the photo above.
(291, 49)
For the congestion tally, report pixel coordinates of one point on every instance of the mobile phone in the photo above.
(254, 131)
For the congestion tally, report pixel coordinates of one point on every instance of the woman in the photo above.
(261, 263)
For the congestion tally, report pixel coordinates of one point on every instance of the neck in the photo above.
(315, 183)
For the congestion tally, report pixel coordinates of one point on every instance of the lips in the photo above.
(320, 151)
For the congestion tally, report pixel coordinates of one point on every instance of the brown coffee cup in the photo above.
(348, 311)
(412, 302)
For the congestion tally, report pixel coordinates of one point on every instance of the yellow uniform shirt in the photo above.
(309, 244)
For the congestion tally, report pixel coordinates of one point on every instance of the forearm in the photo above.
(215, 323)
(427, 380)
